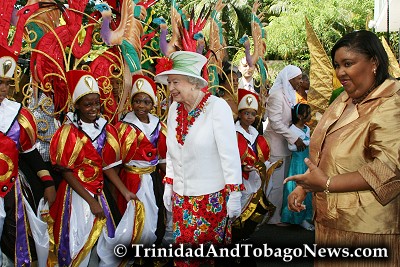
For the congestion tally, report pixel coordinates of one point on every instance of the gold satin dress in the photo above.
(366, 138)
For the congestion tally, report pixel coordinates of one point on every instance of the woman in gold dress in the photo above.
(354, 166)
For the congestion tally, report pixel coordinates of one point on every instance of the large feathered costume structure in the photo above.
(216, 44)
(260, 47)
(175, 42)
(9, 16)
(126, 35)
(49, 59)
(323, 78)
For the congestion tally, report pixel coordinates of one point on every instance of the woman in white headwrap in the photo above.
(279, 104)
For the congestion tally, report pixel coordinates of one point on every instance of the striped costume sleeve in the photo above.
(111, 153)
(262, 148)
(28, 130)
(128, 141)
(66, 147)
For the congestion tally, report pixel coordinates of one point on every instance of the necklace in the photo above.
(186, 119)
(196, 101)
(360, 99)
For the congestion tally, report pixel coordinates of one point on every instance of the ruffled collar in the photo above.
(88, 128)
(9, 111)
(251, 137)
(131, 118)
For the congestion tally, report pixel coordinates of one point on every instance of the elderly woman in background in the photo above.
(279, 112)
(354, 163)
(203, 176)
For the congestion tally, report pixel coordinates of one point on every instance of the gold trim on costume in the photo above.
(137, 170)
(26, 124)
(164, 129)
(77, 148)
(42, 173)
(62, 141)
(140, 138)
(130, 139)
(52, 258)
(114, 143)
(121, 129)
(249, 209)
(4, 177)
(245, 154)
(257, 217)
(249, 212)
(64, 136)
(137, 227)
(92, 239)
(261, 156)
(139, 222)
(81, 171)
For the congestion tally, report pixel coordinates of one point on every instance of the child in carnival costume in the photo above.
(18, 135)
(85, 148)
(254, 155)
(143, 146)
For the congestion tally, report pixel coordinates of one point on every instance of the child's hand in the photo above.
(279, 164)
(249, 168)
(129, 195)
(50, 195)
(97, 210)
(300, 144)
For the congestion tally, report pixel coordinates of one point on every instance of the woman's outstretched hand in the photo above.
(314, 180)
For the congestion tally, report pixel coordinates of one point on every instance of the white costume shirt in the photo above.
(209, 158)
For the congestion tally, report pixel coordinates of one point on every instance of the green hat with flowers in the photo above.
(183, 63)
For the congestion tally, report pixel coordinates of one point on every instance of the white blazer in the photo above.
(209, 159)
(278, 134)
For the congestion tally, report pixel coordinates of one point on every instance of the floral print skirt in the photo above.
(200, 220)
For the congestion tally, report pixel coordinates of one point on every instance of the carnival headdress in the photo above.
(8, 63)
(247, 99)
(81, 83)
(144, 84)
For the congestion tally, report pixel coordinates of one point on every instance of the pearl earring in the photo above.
(374, 71)
(192, 89)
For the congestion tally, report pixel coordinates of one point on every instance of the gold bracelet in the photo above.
(328, 182)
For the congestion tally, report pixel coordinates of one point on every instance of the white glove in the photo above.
(233, 206)
(167, 197)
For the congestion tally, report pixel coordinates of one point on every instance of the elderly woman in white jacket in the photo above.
(203, 176)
